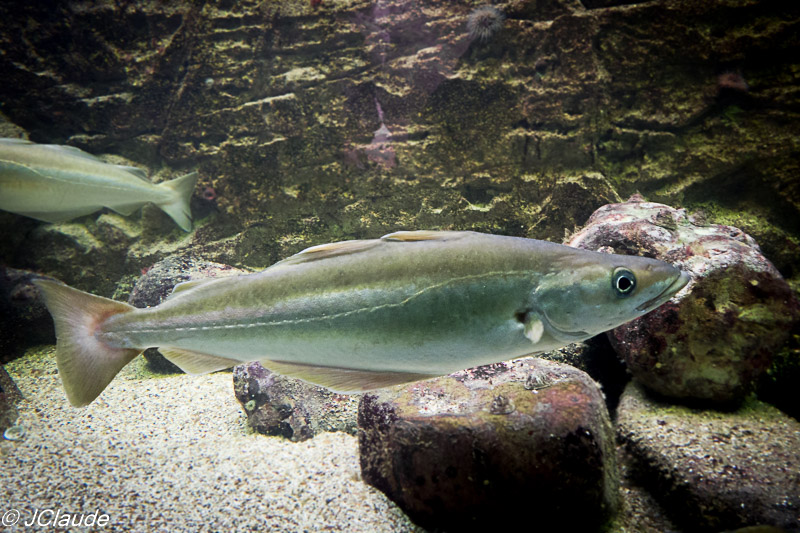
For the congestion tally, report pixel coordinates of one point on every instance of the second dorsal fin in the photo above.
(424, 235)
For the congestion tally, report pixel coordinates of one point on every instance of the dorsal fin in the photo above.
(333, 249)
(323, 251)
(424, 235)
(77, 152)
(191, 284)
(136, 171)
(344, 380)
(71, 150)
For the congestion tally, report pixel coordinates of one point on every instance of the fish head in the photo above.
(597, 292)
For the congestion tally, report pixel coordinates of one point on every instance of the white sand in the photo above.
(175, 454)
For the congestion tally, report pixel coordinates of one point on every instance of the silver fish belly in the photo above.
(364, 314)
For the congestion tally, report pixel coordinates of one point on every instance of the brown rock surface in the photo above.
(289, 407)
(715, 470)
(483, 447)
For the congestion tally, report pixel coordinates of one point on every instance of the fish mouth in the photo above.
(677, 284)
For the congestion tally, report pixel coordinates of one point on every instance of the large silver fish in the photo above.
(358, 315)
(56, 183)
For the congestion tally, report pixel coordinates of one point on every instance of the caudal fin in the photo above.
(86, 364)
(177, 206)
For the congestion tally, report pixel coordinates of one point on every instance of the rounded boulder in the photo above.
(714, 338)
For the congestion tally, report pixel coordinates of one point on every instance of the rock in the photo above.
(714, 338)
(157, 283)
(9, 396)
(597, 358)
(289, 407)
(714, 470)
(493, 446)
(566, 202)
(24, 320)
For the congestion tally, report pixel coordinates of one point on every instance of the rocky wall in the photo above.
(317, 121)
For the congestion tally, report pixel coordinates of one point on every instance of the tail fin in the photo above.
(86, 364)
(178, 206)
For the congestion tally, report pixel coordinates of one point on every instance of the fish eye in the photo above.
(624, 282)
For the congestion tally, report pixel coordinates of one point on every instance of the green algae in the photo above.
(779, 244)
(125, 287)
(36, 361)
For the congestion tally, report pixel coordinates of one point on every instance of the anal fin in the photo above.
(54, 217)
(344, 380)
(126, 209)
(197, 363)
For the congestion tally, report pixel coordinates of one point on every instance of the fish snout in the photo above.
(672, 280)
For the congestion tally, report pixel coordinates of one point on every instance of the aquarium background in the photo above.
(325, 120)
(315, 123)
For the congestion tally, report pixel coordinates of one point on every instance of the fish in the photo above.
(364, 314)
(55, 183)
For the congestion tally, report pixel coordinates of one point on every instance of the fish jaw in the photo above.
(679, 282)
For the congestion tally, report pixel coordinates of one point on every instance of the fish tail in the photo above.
(177, 206)
(85, 363)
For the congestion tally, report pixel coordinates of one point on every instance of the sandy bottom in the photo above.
(174, 454)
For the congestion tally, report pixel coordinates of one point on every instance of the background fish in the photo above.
(56, 183)
(365, 314)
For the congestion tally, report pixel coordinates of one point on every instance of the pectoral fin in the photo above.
(195, 362)
(534, 328)
(343, 380)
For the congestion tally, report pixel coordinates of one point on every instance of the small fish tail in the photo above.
(85, 363)
(177, 206)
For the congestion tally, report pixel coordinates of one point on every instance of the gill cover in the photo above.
(590, 298)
